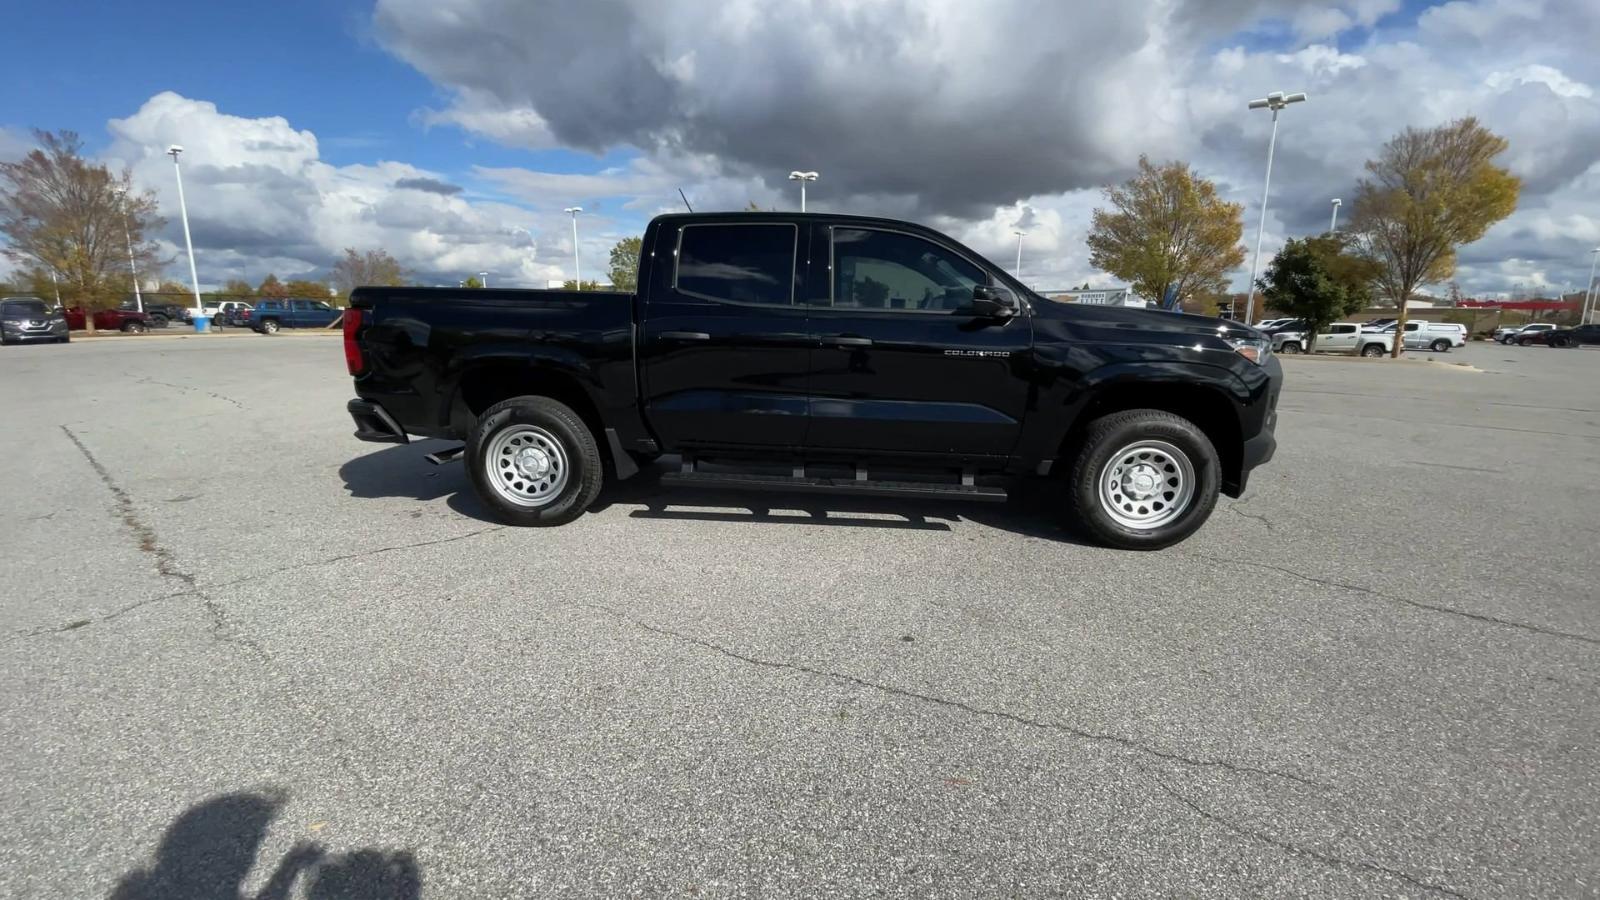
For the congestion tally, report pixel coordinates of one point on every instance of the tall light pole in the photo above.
(1333, 224)
(802, 177)
(577, 267)
(188, 244)
(1274, 101)
(1589, 295)
(57, 283)
(1019, 233)
(127, 235)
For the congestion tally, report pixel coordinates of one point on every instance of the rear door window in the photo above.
(738, 263)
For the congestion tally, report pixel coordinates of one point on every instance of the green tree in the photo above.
(272, 287)
(1429, 192)
(625, 264)
(1319, 280)
(472, 282)
(238, 287)
(570, 285)
(1167, 228)
(301, 287)
(61, 215)
(375, 267)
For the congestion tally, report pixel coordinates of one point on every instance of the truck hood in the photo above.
(1146, 319)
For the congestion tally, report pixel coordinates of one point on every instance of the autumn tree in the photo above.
(625, 264)
(372, 267)
(238, 287)
(271, 287)
(1429, 192)
(1167, 229)
(1317, 280)
(61, 215)
(302, 287)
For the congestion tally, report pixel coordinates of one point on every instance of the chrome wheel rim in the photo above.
(1147, 484)
(527, 465)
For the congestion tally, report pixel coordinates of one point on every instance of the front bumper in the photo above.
(32, 335)
(373, 423)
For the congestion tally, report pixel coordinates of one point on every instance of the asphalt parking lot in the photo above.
(247, 655)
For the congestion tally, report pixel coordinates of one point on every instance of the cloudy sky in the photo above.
(453, 132)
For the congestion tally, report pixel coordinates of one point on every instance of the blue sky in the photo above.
(969, 117)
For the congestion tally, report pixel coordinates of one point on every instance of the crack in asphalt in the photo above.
(1297, 850)
(166, 564)
(1395, 598)
(957, 705)
(357, 555)
(185, 387)
(1238, 507)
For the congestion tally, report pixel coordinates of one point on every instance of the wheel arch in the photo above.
(1208, 405)
(485, 382)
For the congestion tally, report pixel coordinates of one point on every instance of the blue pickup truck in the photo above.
(271, 315)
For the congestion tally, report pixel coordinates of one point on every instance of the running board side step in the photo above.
(853, 486)
(441, 457)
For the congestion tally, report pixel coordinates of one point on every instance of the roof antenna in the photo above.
(685, 200)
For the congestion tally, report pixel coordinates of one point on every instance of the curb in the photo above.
(232, 333)
(1379, 361)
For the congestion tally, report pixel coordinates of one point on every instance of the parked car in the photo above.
(1436, 336)
(1269, 324)
(270, 315)
(1339, 337)
(885, 360)
(1536, 333)
(129, 321)
(227, 311)
(161, 314)
(1377, 324)
(1575, 337)
(1286, 325)
(1510, 334)
(26, 320)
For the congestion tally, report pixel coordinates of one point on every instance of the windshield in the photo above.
(24, 309)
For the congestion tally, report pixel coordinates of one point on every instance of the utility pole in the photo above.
(1333, 224)
(183, 211)
(127, 235)
(577, 267)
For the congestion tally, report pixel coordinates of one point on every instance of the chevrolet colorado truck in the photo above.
(820, 353)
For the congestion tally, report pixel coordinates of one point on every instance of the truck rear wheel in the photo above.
(1144, 479)
(533, 461)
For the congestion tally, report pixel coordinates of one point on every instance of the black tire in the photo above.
(1106, 439)
(1373, 351)
(1522, 342)
(584, 477)
(133, 328)
(65, 340)
(158, 321)
(1291, 347)
(1441, 346)
(269, 326)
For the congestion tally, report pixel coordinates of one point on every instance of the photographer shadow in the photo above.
(208, 852)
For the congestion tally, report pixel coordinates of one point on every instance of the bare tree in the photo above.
(65, 216)
(372, 267)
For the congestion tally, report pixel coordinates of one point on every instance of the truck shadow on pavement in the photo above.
(208, 852)
(401, 471)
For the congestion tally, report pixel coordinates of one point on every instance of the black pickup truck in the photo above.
(819, 353)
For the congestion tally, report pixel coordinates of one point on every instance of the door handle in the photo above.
(685, 336)
(840, 340)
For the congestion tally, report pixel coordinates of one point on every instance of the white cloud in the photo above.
(261, 199)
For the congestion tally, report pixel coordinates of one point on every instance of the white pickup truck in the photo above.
(1339, 337)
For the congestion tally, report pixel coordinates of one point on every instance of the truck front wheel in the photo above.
(1144, 479)
(534, 462)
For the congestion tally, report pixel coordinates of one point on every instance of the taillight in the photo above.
(353, 359)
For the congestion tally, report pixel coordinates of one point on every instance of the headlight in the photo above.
(1254, 349)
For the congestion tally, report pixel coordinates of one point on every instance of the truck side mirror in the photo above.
(993, 301)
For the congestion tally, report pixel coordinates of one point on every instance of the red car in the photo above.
(125, 320)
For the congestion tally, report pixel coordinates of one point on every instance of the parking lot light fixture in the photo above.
(1019, 233)
(802, 177)
(1275, 101)
(1333, 224)
(577, 267)
(1590, 292)
(483, 279)
(183, 212)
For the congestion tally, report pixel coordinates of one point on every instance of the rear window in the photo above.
(745, 263)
